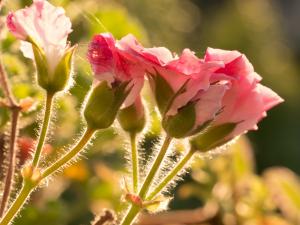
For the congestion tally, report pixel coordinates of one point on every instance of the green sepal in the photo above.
(62, 72)
(41, 65)
(103, 104)
(201, 128)
(213, 137)
(163, 92)
(52, 81)
(131, 120)
(181, 124)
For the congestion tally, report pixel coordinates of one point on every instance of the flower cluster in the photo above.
(208, 100)
(219, 96)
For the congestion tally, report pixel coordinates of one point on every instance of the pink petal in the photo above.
(46, 24)
(246, 104)
(209, 103)
(112, 62)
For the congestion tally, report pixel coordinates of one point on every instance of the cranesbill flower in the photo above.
(43, 30)
(244, 104)
(119, 79)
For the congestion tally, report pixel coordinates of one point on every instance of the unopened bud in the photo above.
(104, 103)
(132, 118)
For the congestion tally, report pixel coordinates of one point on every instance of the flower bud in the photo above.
(104, 103)
(132, 118)
(213, 137)
(43, 29)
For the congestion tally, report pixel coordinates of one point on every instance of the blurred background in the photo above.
(267, 31)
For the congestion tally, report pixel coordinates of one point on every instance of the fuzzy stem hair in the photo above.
(15, 112)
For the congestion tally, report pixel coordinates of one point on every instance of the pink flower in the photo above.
(188, 77)
(44, 25)
(247, 101)
(111, 64)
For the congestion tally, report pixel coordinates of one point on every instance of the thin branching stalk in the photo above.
(27, 189)
(15, 111)
(155, 167)
(180, 165)
(69, 155)
(44, 130)
(134, 161)
(134, 209)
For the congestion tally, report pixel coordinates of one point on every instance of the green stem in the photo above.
(156, 164)
(17, 204)
(131, 214)
(181, 164)
(134, 161)
(69, 155)
(43, 134)
(134, 210)
(28, 187)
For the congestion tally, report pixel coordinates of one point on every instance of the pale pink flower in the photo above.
(177, 71)
(111, 64)
(247, 101)
(45, 25)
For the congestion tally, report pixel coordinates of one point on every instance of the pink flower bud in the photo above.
(111, 64)
(46, 25)
(43, 29)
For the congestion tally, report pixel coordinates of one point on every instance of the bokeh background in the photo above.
(267, 31)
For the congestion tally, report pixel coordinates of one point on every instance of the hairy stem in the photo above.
(69, 155)
(27, 189)
(17, 204)
(181, 164)
(45, 125)
(155, 166)
(11, 161)
(134, 161)
(15, 111)
(134, 210)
